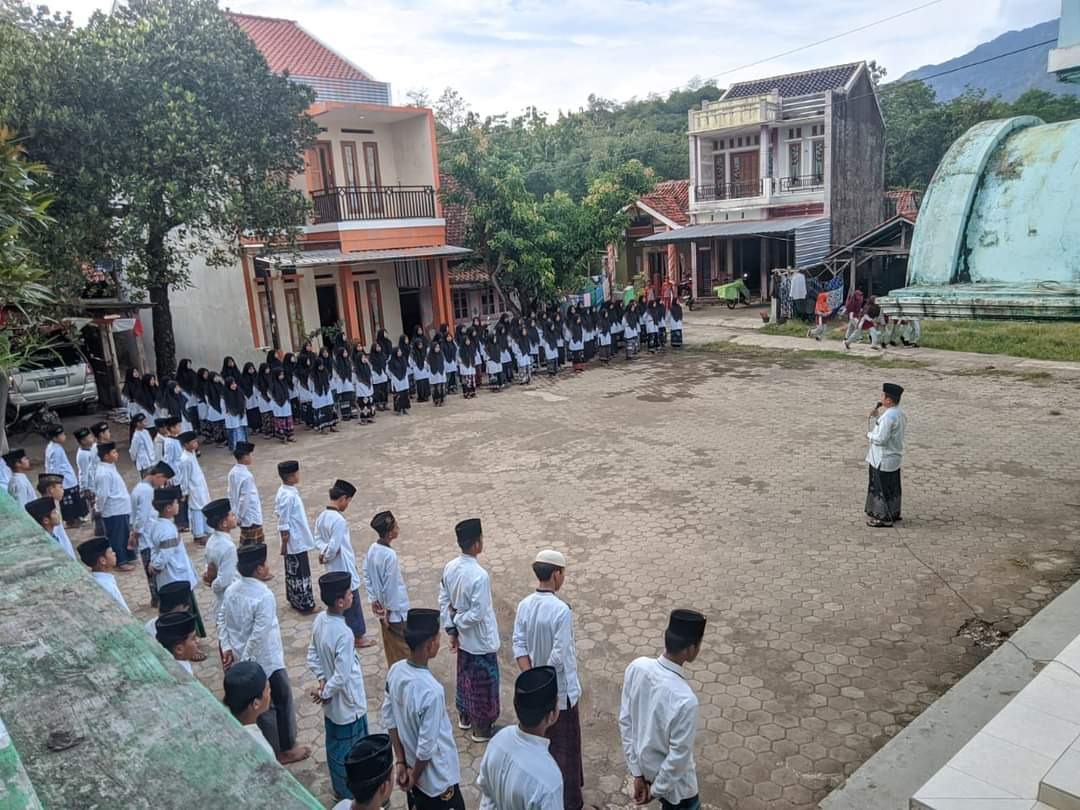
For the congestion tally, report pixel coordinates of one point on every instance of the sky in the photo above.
(504, 55)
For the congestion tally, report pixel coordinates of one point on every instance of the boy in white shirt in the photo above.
(193, 486)
(44, 512)
(296, 538)
(85, 461)
(220, 551)
(98, 556)
(141, 448)
(176, 633)
(369, 769)
(72, 506)
(247, 694)
(19, 487)
(386, 587)
(334, 542)
(113, 503)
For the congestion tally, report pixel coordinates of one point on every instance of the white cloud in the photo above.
(505, 54)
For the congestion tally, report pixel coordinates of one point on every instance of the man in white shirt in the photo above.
(296, 538)
(468, 615)
(369, 769)
(142, 512)
(414, 713)
(193, 485)
(336, 553)
(98, 556)
(386, 587)
(220, 551)
(171, 451)
(19, 486)
(141, 449)
(332, 659)
(544, 636)
(249, 631)
(658, 718)
(113, 503)
(169, 560)
(247, 694)
(44, 512)
(175, 632)
(85, 461)
(518, 772)
(72, 506)
(244, 496)
(884, 458)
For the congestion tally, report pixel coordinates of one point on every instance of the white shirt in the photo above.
(244, 497)
(61, 535)
(171, 453)
(111, 494)
(192, 481)
(57, 463)
(249, 625)
(20, 488)
(658, 723)
(5, 475)
(415, 705)
(141, 450)
(168, 556)
(256, 732)
(332, 657)
(221, 552)
(466, 587)
(291, 518)
(86, 461)
(797, 290)
(333, 541)
(384, 583)
(519, 773)
(544, 631)
(108, 584)
(142, 511)
(887, 440)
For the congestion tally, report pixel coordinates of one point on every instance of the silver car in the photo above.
(58, 376)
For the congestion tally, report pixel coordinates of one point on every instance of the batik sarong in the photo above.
(72, 506)
(283, 427)
(381, 390)
(339, 742)
(325, 418)
(346, 402)
(298, 582)
(478, 688)
(883, 495)
(565, 749)
(252, 535)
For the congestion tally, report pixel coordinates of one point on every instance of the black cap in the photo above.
(48, 479)
(893, 391)
(172, 628)
(173, 594)
(40, 508)
(216, 510)
(166, 495)
(369, 763)
(161, 422)
(422, 622)
(536, 689)
(161, 468)
(249, 557)
(53, 431)
(242, 449)
(91, 550)
(334, 585)
(104, 448)
(344, 487)
(383, 522)
(687, 624)
(138, 417)
(288, 467)
(172, 421)
(244, 681)
(468, 531)
(13, 457)
(81, 433)
(99, 427)
(186, 436)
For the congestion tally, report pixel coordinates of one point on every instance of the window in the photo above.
(794, 133)
(819, 161)
(358, 298)
(325, 157)
(371, 163)
(348, 160)
(487, 302)
(794, 161)
(461, 304)
(816, 130)
(296, 317)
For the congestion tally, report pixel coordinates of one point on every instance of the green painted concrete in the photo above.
(16, 792)
(100, 716)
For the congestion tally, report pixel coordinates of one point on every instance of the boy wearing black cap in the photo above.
(336, 553)
(44, 512)
(220, 551)
(52, 487)
(193, 486)
(468, 615)
(85, 462)
(658, 718)
(247, 694)
(141, 448)
(169, 561)
(142, 512)
(518, 772)
(386, 587)
(332, 660)
(171, 452)
(248, 630)
(114, 505)
(244, 496)
(369, 769)
(884, 458)
(174, 597)
(176, 633)
(98, 556)
(296, 538)
(414, 713)
(19, 487)
(57, 463)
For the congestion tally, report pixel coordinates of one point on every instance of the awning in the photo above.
(321, 258)
(711, 230)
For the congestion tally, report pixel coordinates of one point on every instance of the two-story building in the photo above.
(781, 170)
(374, 253)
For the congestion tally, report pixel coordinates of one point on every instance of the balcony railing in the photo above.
(731, 191)
(719, 116)
(808, 182)
(351, 203)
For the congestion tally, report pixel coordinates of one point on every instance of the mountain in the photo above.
(1008, 77)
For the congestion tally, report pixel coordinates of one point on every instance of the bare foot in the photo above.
(125, 568)
(298, 754)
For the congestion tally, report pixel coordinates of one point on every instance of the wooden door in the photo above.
(375, 312)
(324, 155)
(746, 173)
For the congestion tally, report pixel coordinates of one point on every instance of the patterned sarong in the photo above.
(298, 582)
(565, 749)
(883, 495)
(339, 742)
(73, 506)
(252, 535)
(478, 688)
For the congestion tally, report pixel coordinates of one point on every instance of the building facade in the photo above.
(781, 170)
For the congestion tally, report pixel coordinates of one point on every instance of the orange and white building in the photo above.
(374, 253)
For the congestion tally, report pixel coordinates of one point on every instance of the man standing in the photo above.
(248, 630)
(331, 657)
(658, 718)
(114, 505)
(386, 587)
(142, 513)
(336, 553)
(19, 486)
(57, 463)
(469, 618)
(517, 772)
(296, 538)
(414, 713)
(886, 434)
(244, 496)
(544, 636)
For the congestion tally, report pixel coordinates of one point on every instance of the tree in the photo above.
(418, 97)
(452, 111)
(180, 138)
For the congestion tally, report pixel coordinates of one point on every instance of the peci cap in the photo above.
(468, 531)
(166, 495)
(288, 467)
(244, 681)
(99, 427)
(104, 448)
(40, 508)
(334, 585)
(172, 628)
(893, 391)
(383, 522)
(551, 557)
(422, 622)
(369, 763)
(216, 510)
(163, 469)
(53, 431)
(172, 421)
(81, 433)
(345, 487)
(161, 421)
(137, 418)
(536, 689)
(174, 594)
(250, 556)
(90, 551)
(48, 479)
(186, 436)
(13, 457)
(686, 624)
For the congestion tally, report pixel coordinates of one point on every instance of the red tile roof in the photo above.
(455, 214)
(288, 47)
(906, 201)
(671, 198)
(471, 274)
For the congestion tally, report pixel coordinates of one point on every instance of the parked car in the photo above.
(57, 376)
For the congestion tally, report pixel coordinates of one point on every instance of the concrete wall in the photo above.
(857, 173)
(412, 152)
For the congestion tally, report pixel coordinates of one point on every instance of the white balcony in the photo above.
(737, 113)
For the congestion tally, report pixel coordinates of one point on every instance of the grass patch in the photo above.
(990, 371)
(1034, 339)
(784, 357)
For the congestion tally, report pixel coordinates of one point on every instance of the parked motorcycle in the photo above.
(36, 418)
(686, 293)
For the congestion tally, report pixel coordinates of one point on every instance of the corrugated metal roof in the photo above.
(317, 258)
(722, 229)
(812, 242)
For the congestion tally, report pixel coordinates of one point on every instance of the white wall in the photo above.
(412, 152)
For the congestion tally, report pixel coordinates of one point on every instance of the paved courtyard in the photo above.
(731, 483)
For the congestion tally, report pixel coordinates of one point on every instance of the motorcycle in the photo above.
(36, 418)
(686, 293)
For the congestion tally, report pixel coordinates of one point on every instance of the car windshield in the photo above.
(61, 355)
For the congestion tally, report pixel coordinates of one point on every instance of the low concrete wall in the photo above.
(98, 713)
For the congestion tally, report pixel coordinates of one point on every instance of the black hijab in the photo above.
(169, 399)
(229, 369)
(215, 391)
(362, 367)
(435, 359)
(384, 341)
(341, 363)
(399, 364)
(467, 354)
(202, 384)
(576, 329)
(676, 311)
(262, 380)
(186, 377)
(378, 358)
(303, 368)
(234, 397)
(247, 379)
(450, 350)
(279, 386)
(419, 352)
(320, 377)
